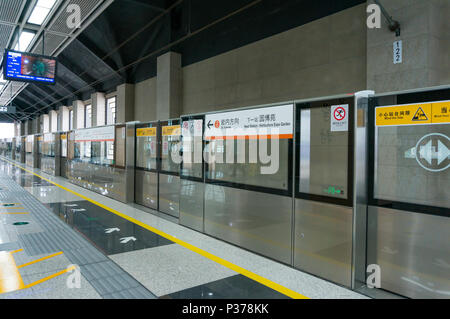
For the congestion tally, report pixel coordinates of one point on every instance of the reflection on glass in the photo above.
(171, 145)
(412, 164)
(323, 155)
(93, 152)
(245, 168)
(192, 146)
(146, 148)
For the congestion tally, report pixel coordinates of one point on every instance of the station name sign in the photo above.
(413, 114)
(266, 122)
(96, 134)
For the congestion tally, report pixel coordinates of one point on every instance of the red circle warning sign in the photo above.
(339, 114)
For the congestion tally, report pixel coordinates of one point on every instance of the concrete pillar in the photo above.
(78, 114)
(98, 109)
(125, 103)
(53, 121)
(41, 124)
(35, 125)
(17, 128)
(63, 118)
(28, 128)
(22, 129)
(168, 86)
(425, 41)
(45, 123)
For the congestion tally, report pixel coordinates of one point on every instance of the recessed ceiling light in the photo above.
(41, 11)
(25, 39)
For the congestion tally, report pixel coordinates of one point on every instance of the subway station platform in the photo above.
(50, 229)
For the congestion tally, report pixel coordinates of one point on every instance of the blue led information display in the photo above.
(26, 67)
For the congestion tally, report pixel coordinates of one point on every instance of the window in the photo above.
(405, 157)
(111, 110)
(146, 147)
(171, 144)
(88, 115)
(41, 11)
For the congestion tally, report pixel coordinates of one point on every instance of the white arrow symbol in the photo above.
(78, 210)
(125, 240)
(110, 230)
(389, 250)
(70, 205)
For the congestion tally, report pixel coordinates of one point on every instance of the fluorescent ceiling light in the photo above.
(25, 39)
(41, 11)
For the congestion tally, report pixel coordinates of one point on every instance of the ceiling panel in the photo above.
(86, 7)
(10, 10)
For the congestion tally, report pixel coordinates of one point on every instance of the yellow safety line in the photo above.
(275, 286)
(40, 259)
(16, 251)
(22, 213)
(49, 277)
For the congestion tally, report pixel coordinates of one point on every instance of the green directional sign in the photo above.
(20, 223)
(331, 190)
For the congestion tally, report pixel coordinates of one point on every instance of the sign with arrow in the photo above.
(432, 152)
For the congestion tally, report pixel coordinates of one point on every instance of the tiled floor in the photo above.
(120, 259)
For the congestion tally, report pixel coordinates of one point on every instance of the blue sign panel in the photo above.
(27, 67)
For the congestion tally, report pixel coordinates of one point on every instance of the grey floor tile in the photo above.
(170, 268)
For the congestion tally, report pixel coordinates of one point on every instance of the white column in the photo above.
(78, 114)
(63, 122)
(53, 121)
(98, 109)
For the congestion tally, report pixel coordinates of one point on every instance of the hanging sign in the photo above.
(146, 132)
(266, 122)
(413, 114)
(95, 134)
(339, 118)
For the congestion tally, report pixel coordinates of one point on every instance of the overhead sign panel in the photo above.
(7, 109)
(95, 134)
(413, 114)
(28, 67)
(266, 122)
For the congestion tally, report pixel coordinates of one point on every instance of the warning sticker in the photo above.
(339, 118)
(412, 114)
(146, 131)
(172, 130)
(420, 115)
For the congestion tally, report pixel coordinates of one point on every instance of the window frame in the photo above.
(350, 158)
(405, 98)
